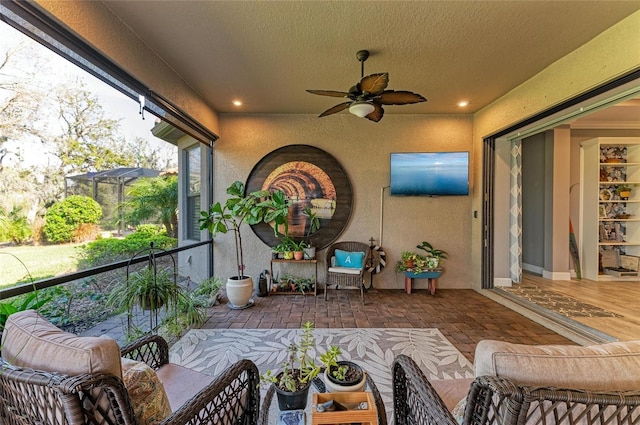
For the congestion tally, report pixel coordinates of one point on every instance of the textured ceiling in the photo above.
(267, 53)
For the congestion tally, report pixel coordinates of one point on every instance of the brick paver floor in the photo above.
(463, 316)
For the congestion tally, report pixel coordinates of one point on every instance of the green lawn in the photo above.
(41, 261)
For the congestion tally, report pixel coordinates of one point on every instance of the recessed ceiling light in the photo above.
(463, 103)
(237, 103)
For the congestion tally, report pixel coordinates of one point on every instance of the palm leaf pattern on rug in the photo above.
(212, 351)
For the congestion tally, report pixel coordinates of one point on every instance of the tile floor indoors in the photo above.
(463, 316)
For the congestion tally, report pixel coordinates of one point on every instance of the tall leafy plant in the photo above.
(154, 198)
(252, 208)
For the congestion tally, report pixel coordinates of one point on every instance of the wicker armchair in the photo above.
(493, 400)
(36, 397)
(341, 278)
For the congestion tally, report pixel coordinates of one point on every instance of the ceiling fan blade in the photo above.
(374, 84)
(339, 107)
(331, 93)
(400, 97)
(377, 113)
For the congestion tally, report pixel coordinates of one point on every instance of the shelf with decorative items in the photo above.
(610, 176)
(290, 284)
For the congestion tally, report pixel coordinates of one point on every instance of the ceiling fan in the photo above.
(367, 97)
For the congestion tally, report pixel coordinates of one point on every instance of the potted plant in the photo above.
(298, 250)
(305, 284)
(239, 208)
(417, 263)
(624, 191)
(286, 246)
(408, 258)
(293, 382)
(434, 256)
(150, 288)
(313, 227)
(341, 375)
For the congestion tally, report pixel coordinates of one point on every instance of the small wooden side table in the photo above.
(432, 276)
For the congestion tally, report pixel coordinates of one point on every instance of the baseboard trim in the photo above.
(502, 281)
(533, 269)
(556, 275)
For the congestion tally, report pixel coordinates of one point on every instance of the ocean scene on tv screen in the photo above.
(430, 174)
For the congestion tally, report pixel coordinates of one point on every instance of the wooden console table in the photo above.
(432, 276)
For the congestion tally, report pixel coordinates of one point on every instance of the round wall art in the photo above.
(309, 177)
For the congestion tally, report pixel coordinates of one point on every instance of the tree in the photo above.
(154, 198)
(20, 97)
(144, 155)
(88, 141)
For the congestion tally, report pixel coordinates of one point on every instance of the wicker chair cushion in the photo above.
(181, 383)
(451, 391)
(345, 270)
(29, 340)
(146, 392)
(605, 367)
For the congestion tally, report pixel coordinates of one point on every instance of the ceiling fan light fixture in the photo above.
(361, 108)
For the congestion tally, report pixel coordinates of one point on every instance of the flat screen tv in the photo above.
(429, 174)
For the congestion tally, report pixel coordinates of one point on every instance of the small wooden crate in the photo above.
(365, 417)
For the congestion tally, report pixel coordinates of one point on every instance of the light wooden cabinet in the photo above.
(610, 218)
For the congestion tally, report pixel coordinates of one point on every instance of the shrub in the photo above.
(104, 251)
(85, 232)
(149, 230)
(15, 226)
(64, 217)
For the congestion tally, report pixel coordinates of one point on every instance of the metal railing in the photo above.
(58, 280)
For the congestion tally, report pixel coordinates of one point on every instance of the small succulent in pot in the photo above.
(293, 381)
(342, 375)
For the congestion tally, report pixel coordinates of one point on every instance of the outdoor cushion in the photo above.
(348, 259)
(29, 340)
(181, 384)
(347, 270)
(451, 391)
(146, 392)
(604, 367)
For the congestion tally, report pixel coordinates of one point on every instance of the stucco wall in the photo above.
(362, 148)
(610, 54)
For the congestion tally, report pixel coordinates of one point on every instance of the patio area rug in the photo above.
(557, 302)
(211, 351)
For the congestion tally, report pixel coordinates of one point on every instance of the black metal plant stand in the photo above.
(152, 265)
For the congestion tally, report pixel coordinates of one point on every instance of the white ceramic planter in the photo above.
(333, 388)
(310, 253)
(239, 291)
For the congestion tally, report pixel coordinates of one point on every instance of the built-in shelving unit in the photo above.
(610, 217)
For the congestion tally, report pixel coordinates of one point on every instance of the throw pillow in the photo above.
(352, 260)
(458, 410)
(146, 392)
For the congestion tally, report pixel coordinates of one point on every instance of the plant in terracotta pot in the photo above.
(408, 258)
(293, 381)
(298, 250)
(240, 208)
(341, 375)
